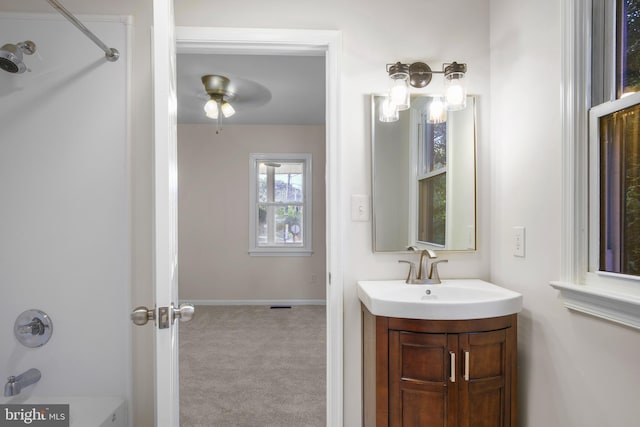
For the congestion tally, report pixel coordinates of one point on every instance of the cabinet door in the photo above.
(420, 389)
(485, 379)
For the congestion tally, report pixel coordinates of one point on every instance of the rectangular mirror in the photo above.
(424, 177)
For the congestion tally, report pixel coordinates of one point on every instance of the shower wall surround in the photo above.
(64, 186)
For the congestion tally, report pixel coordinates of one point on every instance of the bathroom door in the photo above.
(165, 215)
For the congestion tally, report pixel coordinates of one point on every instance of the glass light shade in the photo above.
(455, 91)
(437, 111)
(400, 91)
(211, 109)
(388, 111)
(227, 109)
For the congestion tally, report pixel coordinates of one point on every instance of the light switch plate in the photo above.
(360, 207)
(518, 241)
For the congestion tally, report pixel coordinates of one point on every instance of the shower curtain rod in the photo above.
(110, 53)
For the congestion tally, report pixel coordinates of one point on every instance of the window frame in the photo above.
(595, 174)
(608, 296)
(260, 250)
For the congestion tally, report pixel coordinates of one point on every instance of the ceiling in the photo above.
(270, 90)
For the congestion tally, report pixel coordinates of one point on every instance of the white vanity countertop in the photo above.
(453, 299)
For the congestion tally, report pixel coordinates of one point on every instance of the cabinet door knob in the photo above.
(452, 376)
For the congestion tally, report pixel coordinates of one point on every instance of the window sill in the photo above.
(602, 303)
(281, 253)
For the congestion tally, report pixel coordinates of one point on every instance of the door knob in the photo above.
(184, 312)
(141, 315)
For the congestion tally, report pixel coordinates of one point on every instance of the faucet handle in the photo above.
(433, 273)
(412, 271)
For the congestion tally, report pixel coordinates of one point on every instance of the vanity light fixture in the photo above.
(219, 90)
(419, 75)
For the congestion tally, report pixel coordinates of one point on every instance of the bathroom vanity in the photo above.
(438, 372)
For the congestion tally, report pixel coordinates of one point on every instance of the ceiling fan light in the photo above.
(227, 109)
(211, 109)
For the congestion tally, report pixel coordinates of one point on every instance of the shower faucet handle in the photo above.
(35, 327)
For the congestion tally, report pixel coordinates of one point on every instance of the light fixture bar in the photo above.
(418, 71)
(419, 75)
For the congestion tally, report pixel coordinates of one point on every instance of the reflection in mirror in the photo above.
(424, 177)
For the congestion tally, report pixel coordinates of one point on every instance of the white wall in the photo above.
(64, 184)
(368, 46)
(213, 179)
(575, 370)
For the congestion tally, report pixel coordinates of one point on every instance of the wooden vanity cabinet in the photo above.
(436, 373)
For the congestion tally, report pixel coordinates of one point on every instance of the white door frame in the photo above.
(249, 41)
(165, 247)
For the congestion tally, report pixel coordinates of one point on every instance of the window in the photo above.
(614, 139)
(432, 183)
(600, 129)
(280, 204)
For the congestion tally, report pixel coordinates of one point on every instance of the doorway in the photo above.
(289, 42)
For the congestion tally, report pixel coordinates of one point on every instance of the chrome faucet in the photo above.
(421, 277)
(425, 255)
(15, 385)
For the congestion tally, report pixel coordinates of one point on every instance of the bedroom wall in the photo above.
(213, 224)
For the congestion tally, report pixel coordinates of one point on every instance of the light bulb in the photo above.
(455, 86)
(388, 111)
(399, 92)
(211, 109)
(437, 111)
(456, 97)
(227, 109)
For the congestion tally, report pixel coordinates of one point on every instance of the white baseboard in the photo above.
(268, 302)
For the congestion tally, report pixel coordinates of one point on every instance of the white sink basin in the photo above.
(453, 299)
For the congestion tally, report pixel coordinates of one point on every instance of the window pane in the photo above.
(620, 191)
(280, 225)
(432, 209)
(629, 46)
(288, 182)
(280, 182)
(434, 150)
(263, 178)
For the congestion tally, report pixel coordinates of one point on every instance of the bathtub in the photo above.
(83, 411)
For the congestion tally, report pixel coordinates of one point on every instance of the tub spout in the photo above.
(15, 385)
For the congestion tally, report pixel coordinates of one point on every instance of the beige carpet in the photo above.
(252, 366)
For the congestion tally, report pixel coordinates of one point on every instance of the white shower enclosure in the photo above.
(65, 211)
